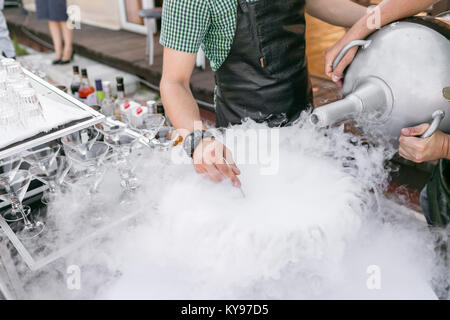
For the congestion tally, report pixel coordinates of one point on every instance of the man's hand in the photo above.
(338, 74)
(422, 150)
(215, 160)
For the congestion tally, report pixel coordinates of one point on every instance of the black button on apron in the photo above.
(265, 76)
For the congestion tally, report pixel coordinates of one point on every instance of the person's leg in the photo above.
(6, 46)
(56, 34)
(68, 38)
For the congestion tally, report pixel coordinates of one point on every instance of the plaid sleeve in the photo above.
(184, 24)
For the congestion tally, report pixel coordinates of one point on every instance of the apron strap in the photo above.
(244, 5)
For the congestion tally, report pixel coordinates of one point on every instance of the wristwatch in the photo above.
(192, 141)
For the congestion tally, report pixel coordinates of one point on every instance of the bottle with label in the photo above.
(107, 103)
(85, 87)
(76, 81)
(120, 99)
(99, 90)
(151, 105)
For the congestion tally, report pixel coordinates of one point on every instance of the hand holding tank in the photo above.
(399, 78)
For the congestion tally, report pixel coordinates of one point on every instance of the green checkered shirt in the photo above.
(189, 24)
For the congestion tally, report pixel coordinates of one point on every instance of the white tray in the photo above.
(79, 116)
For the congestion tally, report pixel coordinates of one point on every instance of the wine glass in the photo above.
(123, 147)
(8, 169)
(150, 125)
(87, 165)
(166, 138)
(52, 172)
(42, 154)
(15, 192)
(112, 128)
(80, 141)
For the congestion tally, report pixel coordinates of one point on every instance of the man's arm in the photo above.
(184, 113)
(179, 103)
(343, 13)
(389, 11)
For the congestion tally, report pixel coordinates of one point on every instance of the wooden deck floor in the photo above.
(126, 51)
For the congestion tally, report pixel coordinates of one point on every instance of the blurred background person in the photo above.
(55, 11)
(6, 46)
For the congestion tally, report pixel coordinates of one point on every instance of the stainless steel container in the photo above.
(400, 78)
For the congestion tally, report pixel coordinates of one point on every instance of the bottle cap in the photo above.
(139, 110)
(76, 69)
(120, 87)
(126, 105)
(119, 80)
(84, 72)
(98, 85)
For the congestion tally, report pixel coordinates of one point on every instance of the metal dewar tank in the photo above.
(399, 78)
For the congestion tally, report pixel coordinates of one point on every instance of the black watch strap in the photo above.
(192, 141)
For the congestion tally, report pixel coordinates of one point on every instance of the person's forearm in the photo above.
(389, 11)
(181, 107)
(447, 147)
(343, 13)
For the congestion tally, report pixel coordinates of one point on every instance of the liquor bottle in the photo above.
(107, 103)
(119, 80)
(120, 99)
(76, 81)
(85, 87)
(151, 105)
(99, 90)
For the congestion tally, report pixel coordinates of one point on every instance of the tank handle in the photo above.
(355, 43)
(437, 116)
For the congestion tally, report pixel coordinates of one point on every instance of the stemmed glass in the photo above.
(165, 138)
(112, 129)
(51, 171)
(42, 154)
(80, 141)
(86, 166)
(150, 126)
(15, 191)
(8, 169)
(123, 147)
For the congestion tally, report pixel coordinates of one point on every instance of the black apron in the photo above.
(438, 192)
(265, 76)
